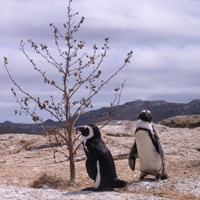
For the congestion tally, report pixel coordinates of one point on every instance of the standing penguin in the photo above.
(148, 148)
(99, 161)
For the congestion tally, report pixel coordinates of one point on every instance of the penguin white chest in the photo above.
(149, 158)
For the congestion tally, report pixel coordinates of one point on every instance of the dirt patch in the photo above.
(22, 166)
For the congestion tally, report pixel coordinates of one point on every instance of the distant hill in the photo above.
(10, 127)
(128, 111)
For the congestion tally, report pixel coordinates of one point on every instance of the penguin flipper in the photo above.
(91, 166)
(132, 156)
(156, 142)
(104, 154)
(159, 149)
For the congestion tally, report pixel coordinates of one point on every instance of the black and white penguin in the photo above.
(148, 148)
(99, 161)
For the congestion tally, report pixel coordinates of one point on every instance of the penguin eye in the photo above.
(144, 112)
(149, 112)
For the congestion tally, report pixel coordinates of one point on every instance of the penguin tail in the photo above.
(119, 183)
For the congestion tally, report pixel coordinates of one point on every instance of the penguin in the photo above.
(99, 161)
(148, 148)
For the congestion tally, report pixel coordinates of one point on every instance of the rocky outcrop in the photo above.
(23, 162)
(187, 121)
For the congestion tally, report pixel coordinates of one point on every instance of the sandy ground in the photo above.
(26, 158)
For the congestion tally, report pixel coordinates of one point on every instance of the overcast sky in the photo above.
(164, 36)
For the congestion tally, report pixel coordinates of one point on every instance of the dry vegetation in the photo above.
(27, 161)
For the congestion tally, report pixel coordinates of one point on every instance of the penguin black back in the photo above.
(99, 161)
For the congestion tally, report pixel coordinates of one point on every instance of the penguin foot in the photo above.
(142, 176)
(97, 189)
(119, 183)
(164, 176)
(89, 189)
(158, 178)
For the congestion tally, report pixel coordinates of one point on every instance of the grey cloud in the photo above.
(164, 36)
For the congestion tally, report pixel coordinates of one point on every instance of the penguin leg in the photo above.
(142, 176)
(133, 154)
(158, 177)
(164, 176)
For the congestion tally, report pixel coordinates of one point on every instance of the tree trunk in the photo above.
(72, 164)
(71, 151)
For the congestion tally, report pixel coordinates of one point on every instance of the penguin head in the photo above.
(145, 115)
(89, 131)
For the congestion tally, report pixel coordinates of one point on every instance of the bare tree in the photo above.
(78, 71)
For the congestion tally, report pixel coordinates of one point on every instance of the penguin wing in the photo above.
(160, 150)
(104, 156)
(156, 143)
(91, 165)
(133, 154)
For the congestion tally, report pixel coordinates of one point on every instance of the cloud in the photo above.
(164, 36)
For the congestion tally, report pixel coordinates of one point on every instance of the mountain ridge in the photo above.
(160, 109)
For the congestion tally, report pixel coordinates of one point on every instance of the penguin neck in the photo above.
(143, 124)
(87, 141)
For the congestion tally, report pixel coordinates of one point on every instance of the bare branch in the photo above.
(77, 70)
(127, 60)
(45, 78)
(113, 105)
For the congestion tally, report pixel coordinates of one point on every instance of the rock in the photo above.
(187, 121)
(20, 169)
(13, 193)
